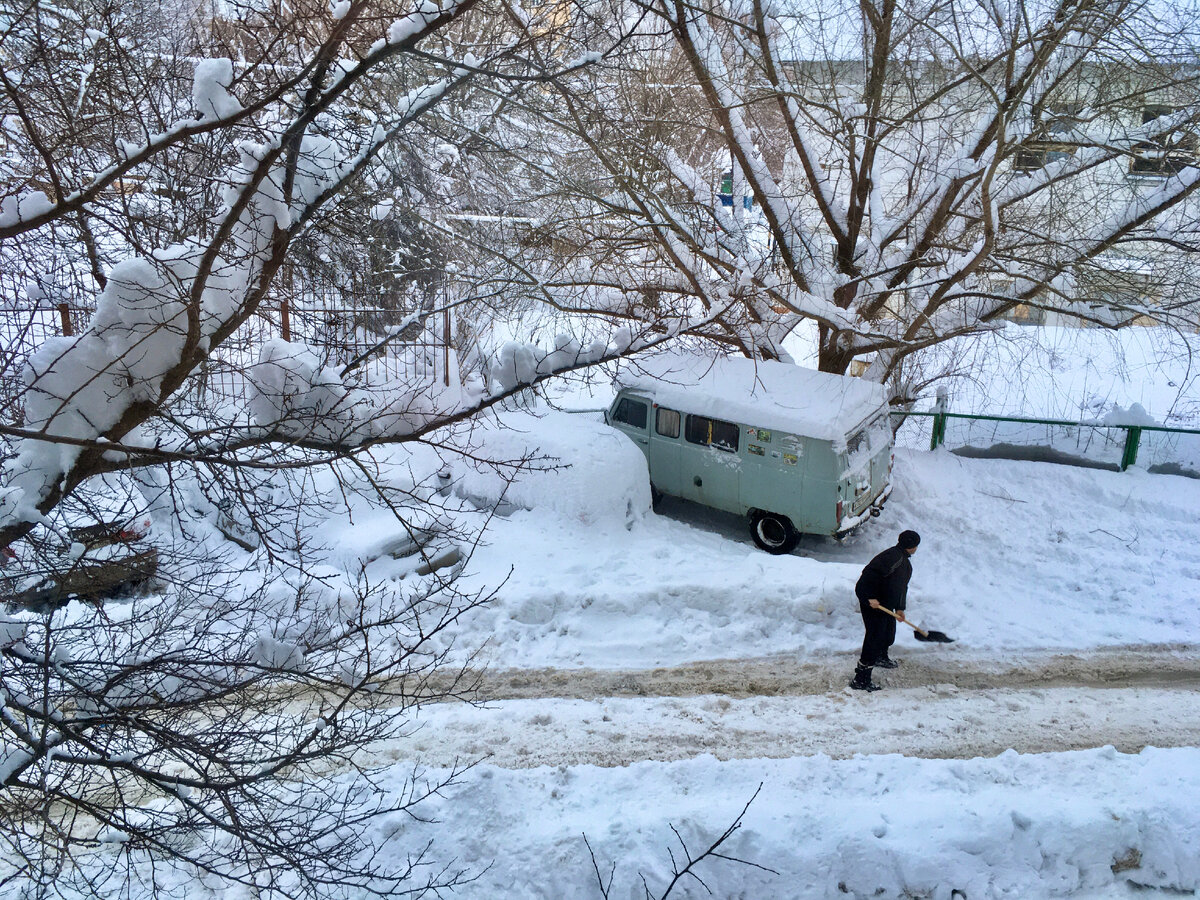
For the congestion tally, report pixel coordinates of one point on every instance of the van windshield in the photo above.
(630, 412)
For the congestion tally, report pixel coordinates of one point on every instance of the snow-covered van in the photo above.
(798, 451)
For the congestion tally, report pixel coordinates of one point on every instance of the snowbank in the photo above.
(1029, 827)
(567, 465)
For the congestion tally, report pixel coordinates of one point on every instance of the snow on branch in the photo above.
(297, 398)
(210, 90)
(520, 364)
(160, 314)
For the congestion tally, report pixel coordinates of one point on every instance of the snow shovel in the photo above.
(932, 637)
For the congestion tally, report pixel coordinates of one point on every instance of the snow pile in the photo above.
(1034, 826)
(1134, 415)
(559, 464)
(771, 395)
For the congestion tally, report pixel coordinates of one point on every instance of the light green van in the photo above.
(798, 451)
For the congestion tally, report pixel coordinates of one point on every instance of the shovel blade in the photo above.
(934, 637)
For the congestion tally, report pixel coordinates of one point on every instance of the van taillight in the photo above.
(839, 512)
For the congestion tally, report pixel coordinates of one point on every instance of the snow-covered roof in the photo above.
(774, 395)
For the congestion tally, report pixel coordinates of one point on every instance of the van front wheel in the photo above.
(773, 533)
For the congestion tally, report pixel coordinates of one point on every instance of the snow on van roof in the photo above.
(774, 395)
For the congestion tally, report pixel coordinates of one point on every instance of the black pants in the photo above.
(881, 633)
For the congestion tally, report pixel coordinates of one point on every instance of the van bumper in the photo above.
(870, 512)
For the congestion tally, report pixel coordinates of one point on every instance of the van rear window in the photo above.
(712, 433)
(873, 438)
(631, 413)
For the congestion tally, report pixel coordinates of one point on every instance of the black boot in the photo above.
(862, 679)
(886, 663)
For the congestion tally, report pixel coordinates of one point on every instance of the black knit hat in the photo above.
(908, 540)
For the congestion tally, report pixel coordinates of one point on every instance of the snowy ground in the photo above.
(648, 672)
(1013, 556)
(1062, 373)
(1015, 825)
(652, 674)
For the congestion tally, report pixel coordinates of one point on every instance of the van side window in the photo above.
(667, 422)
(631, 413)
(712, 432)
(725, 435)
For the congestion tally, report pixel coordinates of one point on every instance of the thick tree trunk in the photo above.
(831, 357)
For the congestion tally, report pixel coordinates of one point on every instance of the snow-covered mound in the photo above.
(569, 466)
(1079, 825)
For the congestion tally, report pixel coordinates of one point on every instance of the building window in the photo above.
(1054, 137)
(1034, 155)
(1166, 155)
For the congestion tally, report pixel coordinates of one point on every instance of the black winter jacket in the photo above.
(886, 578)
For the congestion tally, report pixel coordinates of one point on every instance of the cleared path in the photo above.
(1147, 666)
(933, 707)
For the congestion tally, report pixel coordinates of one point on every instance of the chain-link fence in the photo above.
(22, 330)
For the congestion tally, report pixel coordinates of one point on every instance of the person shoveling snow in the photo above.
(882, 591)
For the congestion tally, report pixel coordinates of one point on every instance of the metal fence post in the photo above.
(1133, 437)
(446, 345)
(937, 436)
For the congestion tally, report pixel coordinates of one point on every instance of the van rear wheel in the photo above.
(773, 533)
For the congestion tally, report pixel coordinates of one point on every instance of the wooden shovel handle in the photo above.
(905, 621)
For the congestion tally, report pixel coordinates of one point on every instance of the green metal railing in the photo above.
(1130, 443)
(1129, 454)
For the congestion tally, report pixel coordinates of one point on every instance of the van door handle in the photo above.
(697, 482)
